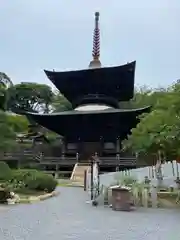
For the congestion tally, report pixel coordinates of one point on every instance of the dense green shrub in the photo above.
(24, 179)
(4, 195)
(42, 182)
(34, 180)
(24, 174)
(5, 172)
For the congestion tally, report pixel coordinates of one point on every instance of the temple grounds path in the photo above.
(68, 216)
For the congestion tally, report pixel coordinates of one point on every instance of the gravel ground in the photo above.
(68, 216)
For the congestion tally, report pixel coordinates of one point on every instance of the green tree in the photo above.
(5, 83)
(30, 97)
(7, 136)
(144, 96)
(2, 97)
(18, 123)
(157, 137)
(5, 80)
(60, 103)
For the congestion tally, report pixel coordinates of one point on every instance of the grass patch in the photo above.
(167, 195)
(168, 199)
(67, 183)
(64, 182)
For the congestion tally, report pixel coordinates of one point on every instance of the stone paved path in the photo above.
(69, 217)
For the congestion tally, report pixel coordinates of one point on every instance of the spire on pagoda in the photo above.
(95, 63)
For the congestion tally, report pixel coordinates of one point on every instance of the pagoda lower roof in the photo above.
(114, 82)
(90, 125)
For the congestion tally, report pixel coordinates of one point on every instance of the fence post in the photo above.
(85, 180)
(92, 180)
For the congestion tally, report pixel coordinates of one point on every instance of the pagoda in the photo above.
(97, 124)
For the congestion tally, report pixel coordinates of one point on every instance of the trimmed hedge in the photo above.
(42, 182)
(35, 180)
(31, 179)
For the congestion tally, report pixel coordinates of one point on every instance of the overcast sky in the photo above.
(57, 34)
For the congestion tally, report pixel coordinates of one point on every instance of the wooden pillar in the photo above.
(101, 146)
(85, 180)
(118, 154)
(92, 178)
(79, 148)
(77, 157)
(56, 172)
(118, 145)
(18, 164)
(63, 149)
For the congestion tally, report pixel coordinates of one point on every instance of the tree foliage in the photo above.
(24, 96)
(158, 133)
(60, 103)
(5, 80)
(5, 83)
(2, 97)
(30, 97)
(18, 123)
(7, 134)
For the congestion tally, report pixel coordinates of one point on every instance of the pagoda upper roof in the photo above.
(113, 82)
(90, 125)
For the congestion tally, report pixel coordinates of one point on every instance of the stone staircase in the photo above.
(77, 176)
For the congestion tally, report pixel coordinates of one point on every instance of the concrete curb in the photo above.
(43, 197)
(73, 184)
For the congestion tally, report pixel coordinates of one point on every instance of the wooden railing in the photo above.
(58, 160)
(16, 156)
(122, 161)
(125, 161)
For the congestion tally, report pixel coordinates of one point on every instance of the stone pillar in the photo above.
(154, 199)
(145, 197)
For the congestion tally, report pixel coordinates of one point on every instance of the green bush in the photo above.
(34, 180)
(4, 195)
(42, 182)
(5, 172)
(23, 174)
(125, 180)
(24, 179)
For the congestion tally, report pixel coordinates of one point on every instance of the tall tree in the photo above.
(18, 123)
(7, 136)
(30, 97)
(60, 103)
(2, 97)
(158, 133)
(5, 80)
(5, 83)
